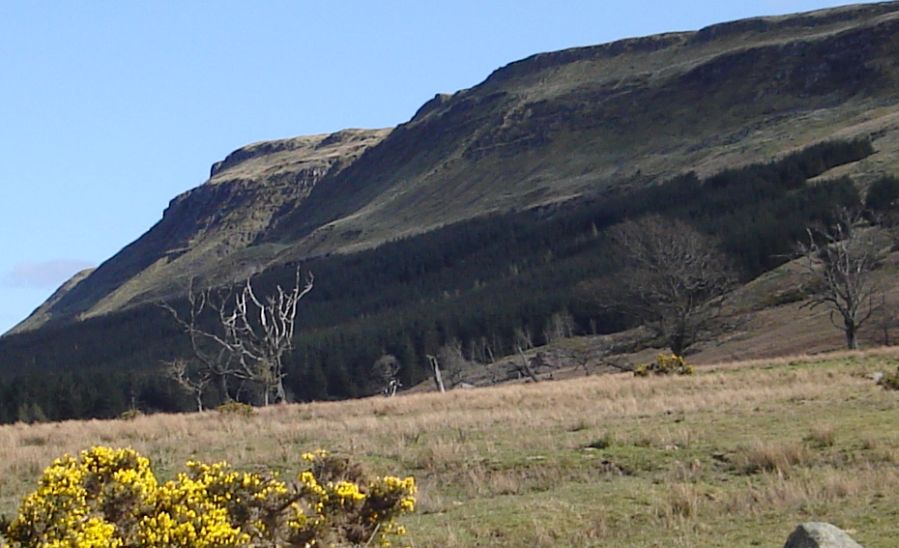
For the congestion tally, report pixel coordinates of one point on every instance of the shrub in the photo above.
(890, 381)
(235, 408)
(110, 497)
(786, 296)
(771, 457)
(131, 414)
(601, 443)
(665, 364)
(821, 436)
(883, 194)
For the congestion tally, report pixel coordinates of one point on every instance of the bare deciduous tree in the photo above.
(522, 339)
(524, 366)
(673, 280)
(250, 339)
(212, 352)
(481, 351)
(452, 361)
(385, 370)
(886, 319)
(842, 259)
(448, 364)
(560, 326)
(261, 332)
(194, 381)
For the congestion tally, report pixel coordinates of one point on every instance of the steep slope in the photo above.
(579, 121)
(550, 128)
(202, 228)
(43, 311)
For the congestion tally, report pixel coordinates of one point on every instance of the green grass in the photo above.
(737, 455)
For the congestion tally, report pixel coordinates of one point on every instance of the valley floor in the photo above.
(736, 455)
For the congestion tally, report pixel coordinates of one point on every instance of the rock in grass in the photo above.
(815, 534)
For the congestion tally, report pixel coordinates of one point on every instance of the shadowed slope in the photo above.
(549, 128)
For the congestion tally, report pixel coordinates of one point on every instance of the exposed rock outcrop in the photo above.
(815, 534)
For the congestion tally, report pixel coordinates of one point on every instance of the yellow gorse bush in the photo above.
(110, 497)
(665, 364)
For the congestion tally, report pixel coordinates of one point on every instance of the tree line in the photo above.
(482, 282)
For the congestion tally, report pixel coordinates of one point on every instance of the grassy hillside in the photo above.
(203, 227)
(476, 282)
(546, 129)
(488, 212)
(735, 456)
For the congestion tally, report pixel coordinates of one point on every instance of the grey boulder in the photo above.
(815, 534)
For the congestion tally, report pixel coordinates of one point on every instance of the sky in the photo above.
(109, 109)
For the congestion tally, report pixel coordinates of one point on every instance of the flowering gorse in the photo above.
(110, 497)
(665, 364)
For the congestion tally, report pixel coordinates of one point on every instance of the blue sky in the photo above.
(108, 109)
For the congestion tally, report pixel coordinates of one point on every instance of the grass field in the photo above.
(736, 455)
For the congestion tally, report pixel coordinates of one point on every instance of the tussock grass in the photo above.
(772, 457)
(735, 455)
(821, 435)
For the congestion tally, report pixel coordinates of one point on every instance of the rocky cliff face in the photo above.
(552, 127)
(575, 122)
(203, 228)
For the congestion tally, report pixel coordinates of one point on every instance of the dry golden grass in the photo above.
(772, 457)
(737, 454)
(822, 435)
(869, 355)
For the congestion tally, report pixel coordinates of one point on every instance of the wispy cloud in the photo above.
(43, 274)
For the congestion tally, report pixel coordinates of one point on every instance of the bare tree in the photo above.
(522, 339)
(452, 361)
(211, 351)
(560, 326)
(385, 370)
(524, 367)
(673, 280)
(194, 381)
(438, 375)
(261, 332)
(250, 338)
(842, 260)
(886, 319)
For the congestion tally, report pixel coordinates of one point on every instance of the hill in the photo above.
(544, 129)
(486, 213)
(736, 455)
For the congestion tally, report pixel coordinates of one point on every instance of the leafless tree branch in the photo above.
(673, 280)
(251, 337)
(842, 259)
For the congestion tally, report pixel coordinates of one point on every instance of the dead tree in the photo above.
(673, 280)
(250, 338)
(438, 376)
(525, 366)
(560, 326)
(842, 260)
(194, 382)
(886, 319)
(522, 337)
(210, 348)
(261, 332)
(452, 362)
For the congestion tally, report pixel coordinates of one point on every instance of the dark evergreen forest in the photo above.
(477, 282)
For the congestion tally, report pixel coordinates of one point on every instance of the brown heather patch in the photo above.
(774, 442)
